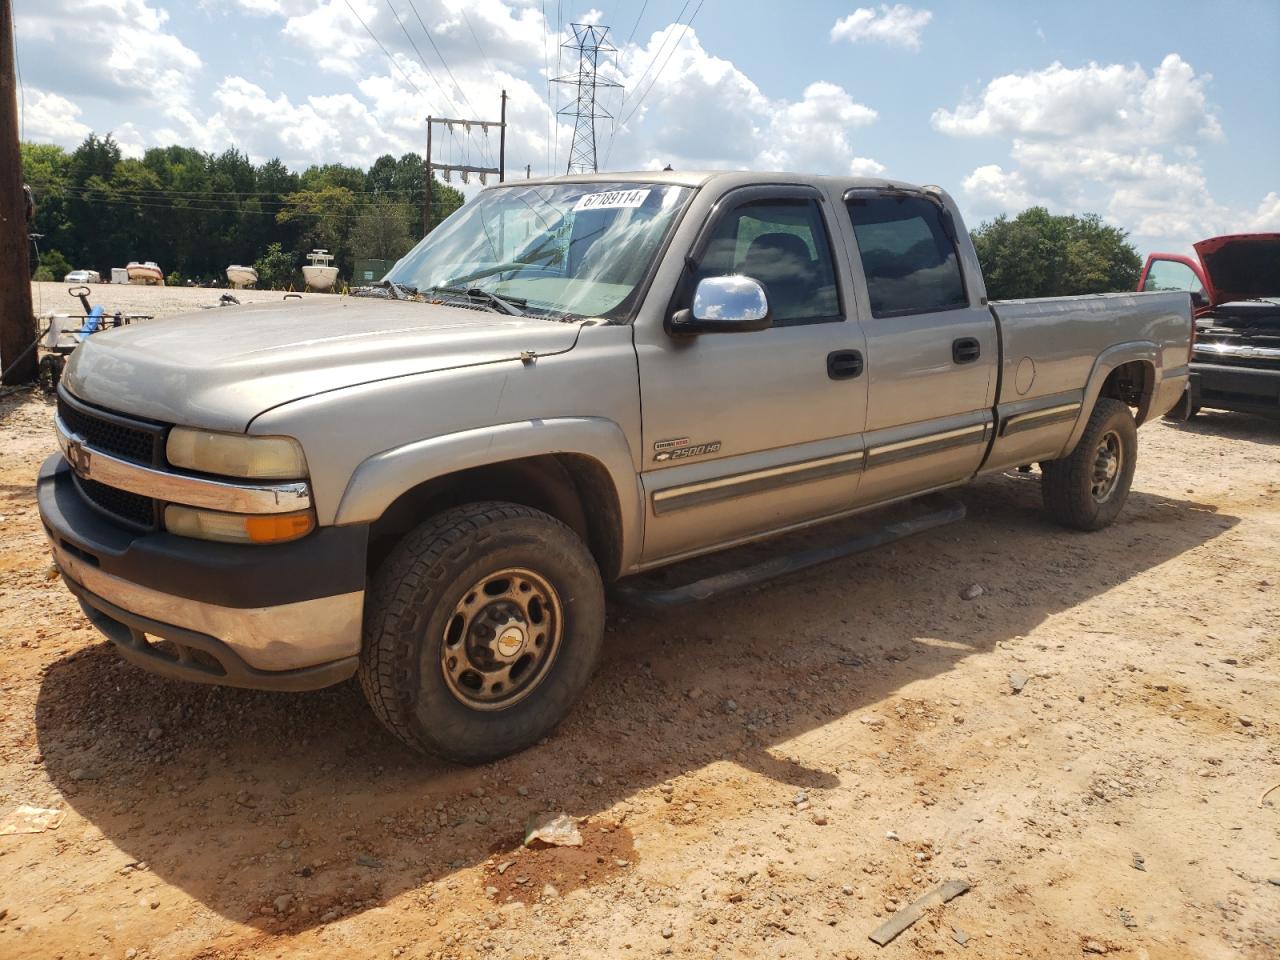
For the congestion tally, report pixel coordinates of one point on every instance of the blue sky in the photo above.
(1162, 117)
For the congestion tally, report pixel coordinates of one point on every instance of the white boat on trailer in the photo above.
(240, 276)
(146, 272)
(320, 274)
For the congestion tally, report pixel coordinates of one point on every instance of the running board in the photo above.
(944, 510)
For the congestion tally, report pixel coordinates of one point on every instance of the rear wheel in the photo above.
(1087, 488)
(481, 629)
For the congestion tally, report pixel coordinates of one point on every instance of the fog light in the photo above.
(238, 527)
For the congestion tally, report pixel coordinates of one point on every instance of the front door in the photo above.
(751, 432)
(932, 348)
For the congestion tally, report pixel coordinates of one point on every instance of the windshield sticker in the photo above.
(611, 200)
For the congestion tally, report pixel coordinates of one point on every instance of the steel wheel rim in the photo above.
(1108, 462)
(504, 634)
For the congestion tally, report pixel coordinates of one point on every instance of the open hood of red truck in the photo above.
(1245, 266)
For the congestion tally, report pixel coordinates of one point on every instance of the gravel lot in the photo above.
(766, 775)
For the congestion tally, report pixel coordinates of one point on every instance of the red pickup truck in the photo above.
(1235, 294)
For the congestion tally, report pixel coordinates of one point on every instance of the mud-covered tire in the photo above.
(1073, 488)
(412, 607)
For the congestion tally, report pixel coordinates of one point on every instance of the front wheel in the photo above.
(1087, 488)
(481, 629)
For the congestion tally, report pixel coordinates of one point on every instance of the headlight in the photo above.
(237, 527)
(236, 455)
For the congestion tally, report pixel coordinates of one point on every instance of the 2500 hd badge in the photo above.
(680, 449)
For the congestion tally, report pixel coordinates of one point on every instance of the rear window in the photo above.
(909, 260)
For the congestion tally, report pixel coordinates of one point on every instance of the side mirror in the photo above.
(732, 304)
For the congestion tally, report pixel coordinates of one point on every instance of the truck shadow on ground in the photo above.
(1236, 426)
(247, 800)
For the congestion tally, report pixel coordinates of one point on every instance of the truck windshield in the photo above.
(564, 250)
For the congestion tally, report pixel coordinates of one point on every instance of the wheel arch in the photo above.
(1129, 372)
(579, 472)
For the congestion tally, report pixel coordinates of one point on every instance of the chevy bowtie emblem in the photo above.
(78, 457)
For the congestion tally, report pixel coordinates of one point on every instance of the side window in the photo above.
(783, 244)
(1172, 275)
(908, 257)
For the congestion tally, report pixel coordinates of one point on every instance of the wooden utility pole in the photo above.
(17, 322)
(426, 203)
(502, 141)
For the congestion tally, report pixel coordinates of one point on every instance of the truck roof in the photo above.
(728, 178)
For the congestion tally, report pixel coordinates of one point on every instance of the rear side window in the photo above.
(907, 255)
(783, 244)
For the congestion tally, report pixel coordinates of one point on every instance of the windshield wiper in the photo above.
(508, 305)
(397, 291)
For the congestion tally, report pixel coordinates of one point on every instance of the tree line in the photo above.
(195, 213)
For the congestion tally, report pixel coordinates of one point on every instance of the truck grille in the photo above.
(128, 438)
(131, 508)
(138, 440)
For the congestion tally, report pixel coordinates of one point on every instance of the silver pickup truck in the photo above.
(568, 382)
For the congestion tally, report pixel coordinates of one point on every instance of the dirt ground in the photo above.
(766, 775)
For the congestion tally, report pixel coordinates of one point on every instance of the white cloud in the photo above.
(866, 167)
(47, 116)
(120, 49)
(683, 106)
(1112, 103)
(995, 188)
(897, 26)
(1112, 138)
(672, 122)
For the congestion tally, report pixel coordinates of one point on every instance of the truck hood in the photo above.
(1244, 266)
(220, 368)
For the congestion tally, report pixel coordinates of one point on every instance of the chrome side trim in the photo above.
(925, 445)
(1039, 418)
(742, 484)
(92, 464)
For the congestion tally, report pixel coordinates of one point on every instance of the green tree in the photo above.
(1038, 254)
(325, 219)
(277, 269)
(383, 230)
(53, 266)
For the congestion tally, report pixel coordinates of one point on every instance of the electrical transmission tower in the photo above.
(588, 42)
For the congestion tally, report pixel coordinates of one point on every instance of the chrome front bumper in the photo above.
(284, 616)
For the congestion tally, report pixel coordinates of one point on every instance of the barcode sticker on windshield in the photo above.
(611, 200)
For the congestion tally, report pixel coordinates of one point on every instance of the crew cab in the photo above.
(1234, 283)
(568, 382)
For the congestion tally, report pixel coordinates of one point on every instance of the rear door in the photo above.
(932, 347)
(751, 432)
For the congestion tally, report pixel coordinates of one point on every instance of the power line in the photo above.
(174, 207)
(644, 6)
(640, 99)
(394, 63)
(546, 73)
(493, 73)
(555, 124)
(462, 93)
(448, 101)
(635, 87)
